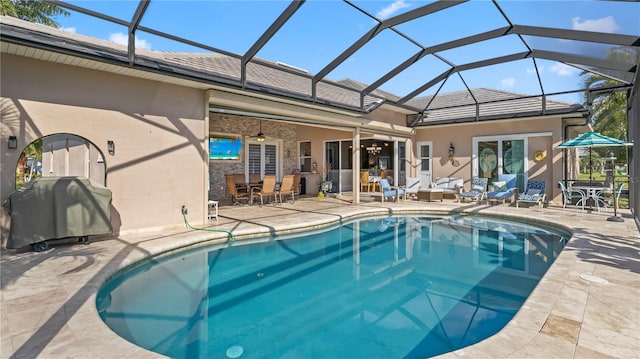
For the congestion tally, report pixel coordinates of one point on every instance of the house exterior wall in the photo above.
(158, 130)
(461, 136)
(387, 116)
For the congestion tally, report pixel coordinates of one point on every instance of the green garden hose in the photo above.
(188, 225)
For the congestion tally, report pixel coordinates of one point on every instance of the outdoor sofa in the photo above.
(451, 186)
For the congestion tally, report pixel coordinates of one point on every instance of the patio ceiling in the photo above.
(433, 79)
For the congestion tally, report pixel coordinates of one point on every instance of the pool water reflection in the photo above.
(395, 287)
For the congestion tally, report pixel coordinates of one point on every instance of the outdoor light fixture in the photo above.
(111, 147)
(374, 149)
(452, 152)
(260, 137)
(13, 142)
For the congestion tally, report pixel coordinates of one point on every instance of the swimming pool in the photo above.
(380, 287)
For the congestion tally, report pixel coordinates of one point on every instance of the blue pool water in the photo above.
(394, 287)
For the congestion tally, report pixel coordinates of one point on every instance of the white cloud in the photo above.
(531, 71)
(391, 9)
(122, 39)
(605, 24)
(563, 70)
(69, 29)
(508, 82)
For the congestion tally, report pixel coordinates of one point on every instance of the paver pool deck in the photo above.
(47, 303)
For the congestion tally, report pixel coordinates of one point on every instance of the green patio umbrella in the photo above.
(594, 139)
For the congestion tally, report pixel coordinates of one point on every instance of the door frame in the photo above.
(279, 156)
(500, 138)
(419, 162)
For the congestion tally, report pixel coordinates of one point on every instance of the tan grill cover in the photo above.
(57, 207)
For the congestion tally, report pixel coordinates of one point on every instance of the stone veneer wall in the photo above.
(246, 127)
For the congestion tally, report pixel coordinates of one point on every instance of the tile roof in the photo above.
(270, 77)
(460, 106)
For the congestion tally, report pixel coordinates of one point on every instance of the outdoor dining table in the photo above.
(594, 193)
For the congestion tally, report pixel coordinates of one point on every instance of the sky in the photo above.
(322, 29)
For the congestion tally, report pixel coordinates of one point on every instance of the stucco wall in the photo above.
(318, 136)
(158, 130)
(461, 136)
(387, 116)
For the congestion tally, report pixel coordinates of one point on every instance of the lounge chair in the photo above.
(569, 194)
(477, 192)
(268, 189)
(287, 188)
(505, 188)
(237, 194)
(534, 193)
(389, 191)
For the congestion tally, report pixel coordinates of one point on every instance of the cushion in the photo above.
(441, 182)
(533, 192)
(500, 195)
(500, 186)
(477, 189)
(530, 198)
(471, 194)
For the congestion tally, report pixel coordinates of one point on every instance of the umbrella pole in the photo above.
(591, 176)
(615, 217)
(590, 168)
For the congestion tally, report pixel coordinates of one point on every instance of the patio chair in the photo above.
(254, 179)
(365, 184)
(287, 188)
(477, 192)
(296, 183)
(236, 194)
(570, 194)
(268, 189)
(505, 188)
(412, 186)
(390, 191)
(534, 193)
(610, 198)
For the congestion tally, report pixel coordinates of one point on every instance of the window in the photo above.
(305, 156)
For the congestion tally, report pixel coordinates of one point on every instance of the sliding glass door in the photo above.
(513, 159)
(500, 156)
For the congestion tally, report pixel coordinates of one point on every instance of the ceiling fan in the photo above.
(260, 137)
